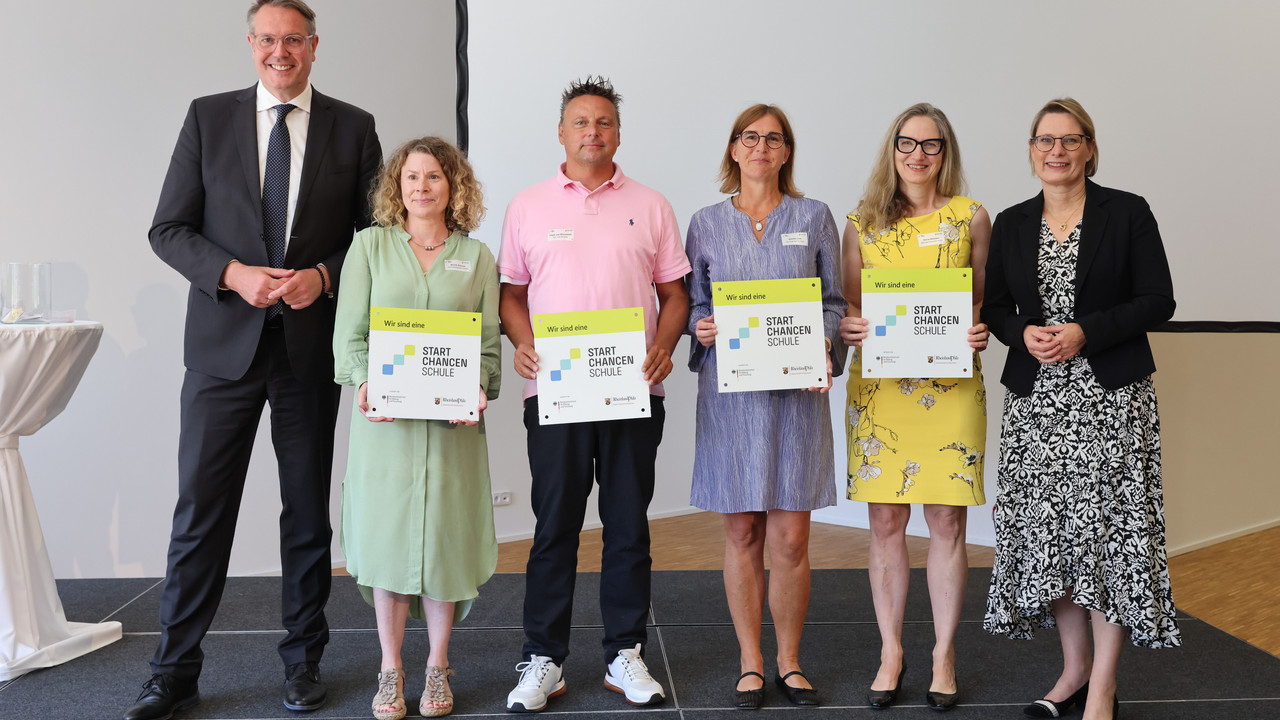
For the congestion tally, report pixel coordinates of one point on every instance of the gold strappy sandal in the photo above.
(390, 693)
(437, 692)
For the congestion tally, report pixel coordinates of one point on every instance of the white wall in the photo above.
(95, 94)
(1182, 92)
(1176, 89)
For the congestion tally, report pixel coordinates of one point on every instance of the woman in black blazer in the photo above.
(1076, 276)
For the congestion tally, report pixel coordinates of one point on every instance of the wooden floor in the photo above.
(696, 542)
(1233, 586)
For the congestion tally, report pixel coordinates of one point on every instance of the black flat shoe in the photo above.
(748, 699)
(795, 695)
(881, 699)
(1050, 709)
(303, 689)
(161, 696)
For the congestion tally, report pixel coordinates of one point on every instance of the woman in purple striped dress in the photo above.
(764, 459)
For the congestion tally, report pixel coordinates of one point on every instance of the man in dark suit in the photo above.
(264, 191)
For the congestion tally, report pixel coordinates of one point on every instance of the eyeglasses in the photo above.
(907, 145)
(292, 43)
(752, 139)
(1045, 143)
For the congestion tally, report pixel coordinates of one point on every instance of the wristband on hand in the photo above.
(324, 284)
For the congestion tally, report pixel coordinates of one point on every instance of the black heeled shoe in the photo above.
(881, 699)
(795, 695)
(942, 702)
(1115, 707)
(1049, 709)
(748, 699)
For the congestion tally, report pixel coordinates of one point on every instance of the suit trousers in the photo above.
(219, 422)
(564, 460)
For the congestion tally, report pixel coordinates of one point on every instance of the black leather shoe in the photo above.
(1051, 709)
(161, 696)
(796, 695)
(748, 699)
(881, 699)
(942, 702)
(303, 689)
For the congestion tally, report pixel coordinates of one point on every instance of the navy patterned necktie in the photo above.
(275, 195)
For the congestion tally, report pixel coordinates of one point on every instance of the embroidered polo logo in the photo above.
(632, 221)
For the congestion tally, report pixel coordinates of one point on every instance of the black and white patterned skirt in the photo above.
(1080, 508)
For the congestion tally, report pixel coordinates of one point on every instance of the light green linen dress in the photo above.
(417, 513)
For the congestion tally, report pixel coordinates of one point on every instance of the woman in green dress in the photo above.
(417, 518)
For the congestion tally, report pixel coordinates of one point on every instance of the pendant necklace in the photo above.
(1063, 225)
(759, 223)
(429, 247)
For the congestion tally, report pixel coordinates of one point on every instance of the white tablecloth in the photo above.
(40, 367)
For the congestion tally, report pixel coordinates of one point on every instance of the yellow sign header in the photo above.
(444, 322)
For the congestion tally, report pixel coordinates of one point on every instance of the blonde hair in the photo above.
(731, 172)
(1072, 107)
(882, 203)
(466, 201)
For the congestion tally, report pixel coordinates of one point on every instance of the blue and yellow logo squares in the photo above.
(390, 368)
(891, 320)
(566, 364)
(744, 333)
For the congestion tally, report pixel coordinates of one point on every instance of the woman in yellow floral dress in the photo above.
(916, 440)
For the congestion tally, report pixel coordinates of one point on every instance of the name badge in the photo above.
(560, 235)
(800, 238)
(458, 265)
(931, 239)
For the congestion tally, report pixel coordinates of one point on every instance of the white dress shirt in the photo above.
(297, 121)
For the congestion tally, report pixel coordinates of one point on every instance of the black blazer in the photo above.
(210, 211)
(1123, 286)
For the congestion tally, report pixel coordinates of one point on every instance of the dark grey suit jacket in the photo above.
(1123, 286)
(210, 211)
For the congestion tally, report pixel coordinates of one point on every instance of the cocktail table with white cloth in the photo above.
(40, 367)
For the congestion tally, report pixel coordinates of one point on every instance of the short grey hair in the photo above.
(302, 8)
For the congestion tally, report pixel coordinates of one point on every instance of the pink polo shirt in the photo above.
(580, 250)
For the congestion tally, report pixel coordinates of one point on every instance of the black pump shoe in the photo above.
(941, 701)
(796, 695)
(748, 699)
(881, 699)
(1050, 709)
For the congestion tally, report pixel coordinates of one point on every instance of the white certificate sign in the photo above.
(920, 321)
(589, 366)
(770, 335)
(424, 364)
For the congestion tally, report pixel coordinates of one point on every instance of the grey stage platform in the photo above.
(692, 651)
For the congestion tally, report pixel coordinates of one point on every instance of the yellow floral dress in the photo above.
(917, 440)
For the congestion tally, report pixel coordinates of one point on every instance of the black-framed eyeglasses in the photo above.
(292, 43)
(1045, 143)
(907, 145)
(751, 138)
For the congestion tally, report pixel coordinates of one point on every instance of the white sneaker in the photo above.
(540, 680)
(628, 675)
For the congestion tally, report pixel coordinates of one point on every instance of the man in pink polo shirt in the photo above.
(590, 238)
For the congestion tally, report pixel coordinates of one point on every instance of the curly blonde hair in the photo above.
(882, 202)
(466, 201)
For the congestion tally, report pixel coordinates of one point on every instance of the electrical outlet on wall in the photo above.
(501, 498)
